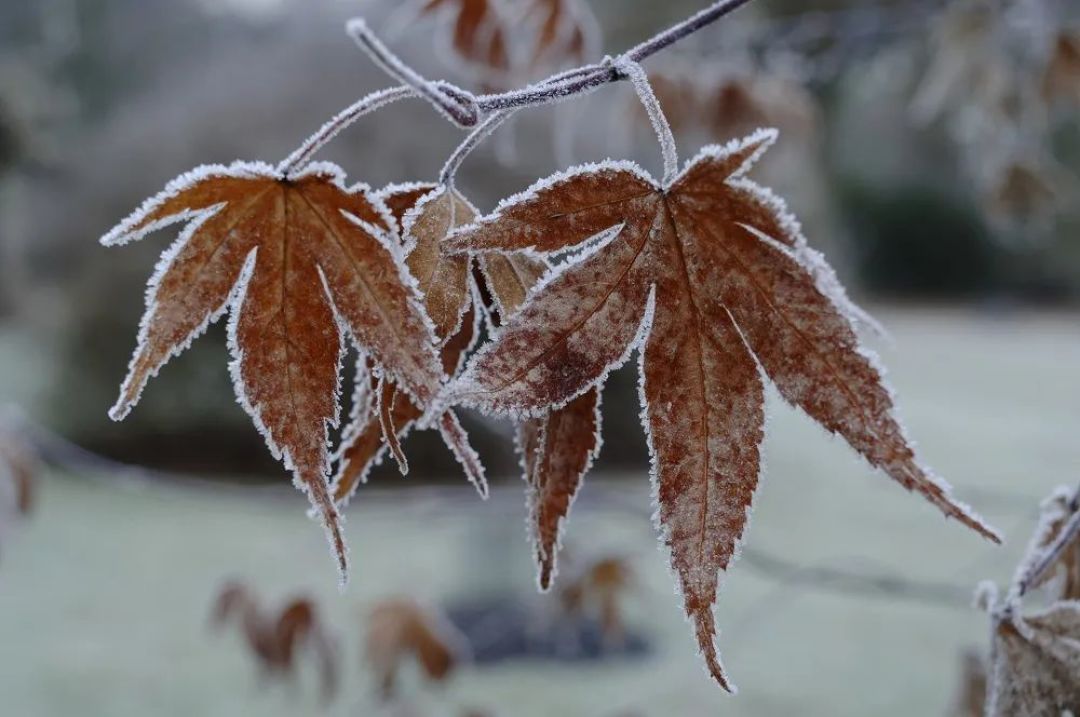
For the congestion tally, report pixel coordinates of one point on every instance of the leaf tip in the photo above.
(121, 409)
(547, 571)
(716, 671)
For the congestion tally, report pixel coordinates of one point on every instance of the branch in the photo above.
(590, 77)
(456, 104)
(467, 110)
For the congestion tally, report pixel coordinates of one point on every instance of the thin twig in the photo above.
(481, 132)
(456, 104)
(340, 121)
(660, 125)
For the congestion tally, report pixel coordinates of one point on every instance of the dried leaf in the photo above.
(275, 641)
(1035, 663)
(558, 449)
(1023, 190)
(401, 628)
(299, 261)
(426, 214)
(600, 587)
(1061, 78)
(713, 277)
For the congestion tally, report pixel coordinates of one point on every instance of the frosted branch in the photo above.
(481, 132)
(457, 104)
(467, 110)
(660, 125)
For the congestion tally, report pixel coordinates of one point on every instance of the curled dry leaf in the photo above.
(1035, 655)
(299, 262)
(399, 629)
(713, 278)
(426, 215)
(1035, 662)
(275, 641)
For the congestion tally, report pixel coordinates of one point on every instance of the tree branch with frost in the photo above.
(466, 110)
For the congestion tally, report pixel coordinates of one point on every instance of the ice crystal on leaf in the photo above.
(720, 267)
(557, 449)
(1035, 660)
(1035, 653)
(426, 215)
(299, 261)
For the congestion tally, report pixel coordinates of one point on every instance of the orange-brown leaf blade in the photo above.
(558, 451)
(287, 349)
(554, 349)
(704, 417)
(371, 291)
(363, 445)
(510, 277)
(552, 216)
(192, 285)
(810, 351)
(443, 278)
(387, 392)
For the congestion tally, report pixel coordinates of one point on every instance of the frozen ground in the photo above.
(104, 593)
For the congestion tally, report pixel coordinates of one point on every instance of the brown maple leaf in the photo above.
(400, 628)
(275, 640)
(299, 261)
(713, 277)
(425, 214)
(557, 449)
(1035, 662)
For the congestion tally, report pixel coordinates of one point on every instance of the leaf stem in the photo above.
(456, 104)
(660, 125)
(340, 121)
(481, 132)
